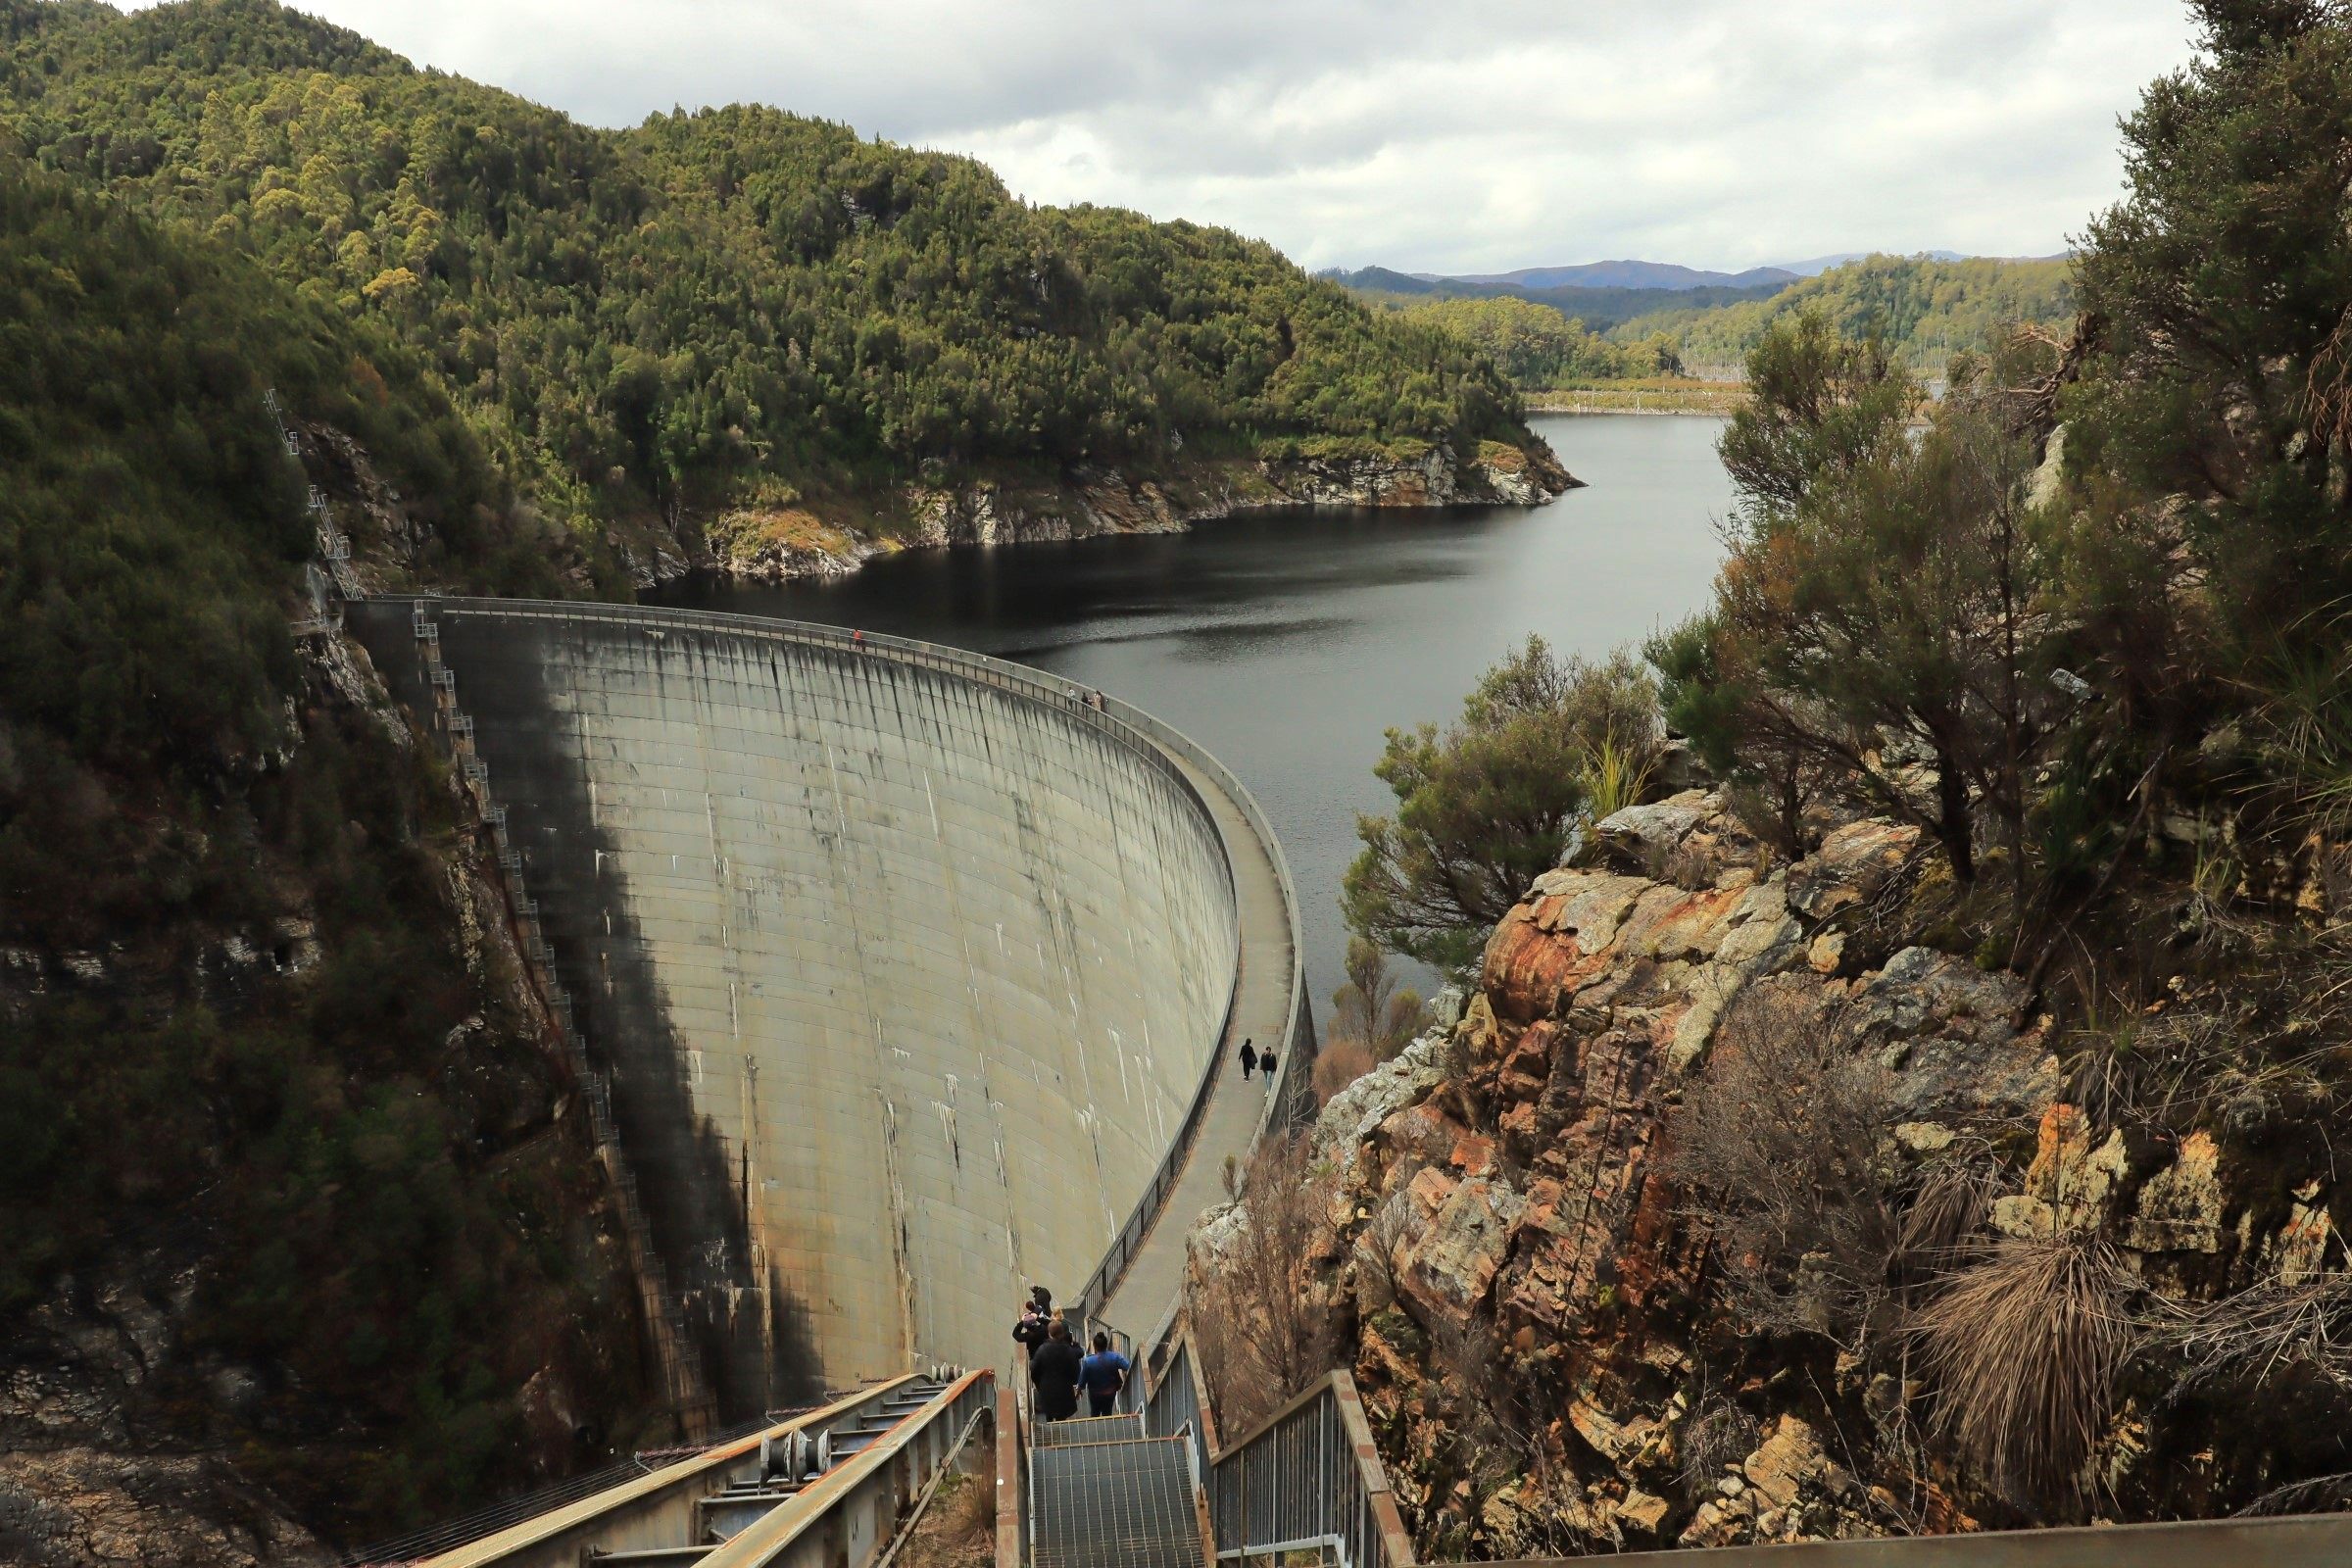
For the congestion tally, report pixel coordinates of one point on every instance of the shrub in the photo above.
(1263, 1329)
(1774, 1145)
(1341, 1061)
(1484, 809)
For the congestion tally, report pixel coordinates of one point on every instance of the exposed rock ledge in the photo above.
(1502, 1197)
(777, 543)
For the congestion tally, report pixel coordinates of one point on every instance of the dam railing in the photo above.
(1298, 1030)
(1161, 744)
(1307, 1479)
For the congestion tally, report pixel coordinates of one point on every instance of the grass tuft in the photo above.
(2024, 1348)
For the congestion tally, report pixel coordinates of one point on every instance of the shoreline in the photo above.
(790, 543)
(1714, 399)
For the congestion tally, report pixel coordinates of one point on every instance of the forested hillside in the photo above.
(712, 307)
(1541, 349)
(285, 1165)
(1923, 311)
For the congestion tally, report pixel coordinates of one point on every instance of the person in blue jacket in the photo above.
(1102, 1375)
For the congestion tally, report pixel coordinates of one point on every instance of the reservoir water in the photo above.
(1286, 643)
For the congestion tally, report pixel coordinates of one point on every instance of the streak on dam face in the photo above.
(905, 981)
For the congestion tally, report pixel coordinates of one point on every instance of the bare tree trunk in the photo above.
(1952, 826)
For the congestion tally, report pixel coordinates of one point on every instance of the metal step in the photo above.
(1118, 1504)
(650, 1555)
(1091, 1428)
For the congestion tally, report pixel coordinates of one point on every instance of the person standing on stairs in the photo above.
(1030, 1332)
(1053, 1374)
(1102, 1375)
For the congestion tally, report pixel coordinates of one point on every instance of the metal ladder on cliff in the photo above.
(1104, 1496)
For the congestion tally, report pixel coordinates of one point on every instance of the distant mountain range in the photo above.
(1647, 275)
(1597, 306)
(1821, 264)
(1929, 306)
(1634, 274)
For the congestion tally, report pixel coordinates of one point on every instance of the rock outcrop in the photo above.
(79, 1483)
(1541, 1334)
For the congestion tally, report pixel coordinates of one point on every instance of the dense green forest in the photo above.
(738, 302)
(1541, 349)
(237, 1023)
(1925, 311)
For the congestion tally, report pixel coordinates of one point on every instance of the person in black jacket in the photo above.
(1030, 1332)
(1053, 1373)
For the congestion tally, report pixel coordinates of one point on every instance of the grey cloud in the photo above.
(1461, 136)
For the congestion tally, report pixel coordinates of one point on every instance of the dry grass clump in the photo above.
(1946, 1218)
(2024, 1346)
(2264, 1333)
(958, 1527)
(1717, 1436)
(972, 1510)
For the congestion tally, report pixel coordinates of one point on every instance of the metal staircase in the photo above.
(1104, 1496)
(831, 1488)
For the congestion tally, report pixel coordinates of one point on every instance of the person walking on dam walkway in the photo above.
(1249, 1059)
(1053, 1374)
(1265, 1067)
(1102, 1375)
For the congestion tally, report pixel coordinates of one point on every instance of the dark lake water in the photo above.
(1287, 643)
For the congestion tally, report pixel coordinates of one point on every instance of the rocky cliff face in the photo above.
(1549, 1331)
(778, 543)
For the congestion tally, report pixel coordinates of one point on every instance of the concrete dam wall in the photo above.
(906, 966)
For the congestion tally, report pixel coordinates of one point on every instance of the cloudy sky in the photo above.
(1457, 137)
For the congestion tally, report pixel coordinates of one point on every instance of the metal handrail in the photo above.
(450, 1534)
(1306, 1475)
(699, 1472)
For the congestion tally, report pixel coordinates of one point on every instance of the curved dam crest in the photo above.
(904, 980)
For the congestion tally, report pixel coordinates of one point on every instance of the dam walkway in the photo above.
(1266, 1008)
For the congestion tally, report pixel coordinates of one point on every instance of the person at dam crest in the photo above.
(1053, 1373)
(1102, 1375)
(1265, 1067)
(1249, 1059)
